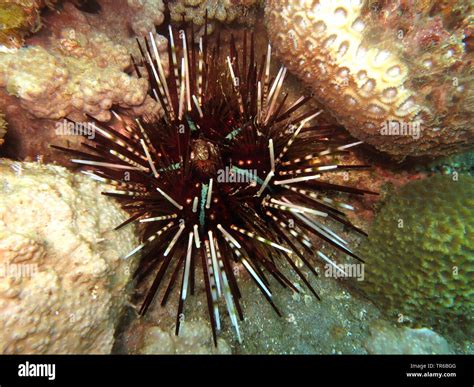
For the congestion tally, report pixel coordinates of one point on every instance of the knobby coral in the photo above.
(62, 282)
(147, 14)
(78, 73)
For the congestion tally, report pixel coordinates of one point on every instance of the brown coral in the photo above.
(378, 70)
(147, 15)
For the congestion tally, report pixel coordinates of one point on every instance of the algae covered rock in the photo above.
(420, 253)
(147, 15)
(63, 282)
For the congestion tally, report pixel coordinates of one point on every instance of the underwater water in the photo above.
(236, 177)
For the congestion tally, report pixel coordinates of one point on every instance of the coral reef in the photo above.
(421, 253)
(18, 18)
(388, 340)
(63, 283)
(66, 274)
(398, 77)
(225, 11)
(147, 15)
(78, 73)
(3, 128)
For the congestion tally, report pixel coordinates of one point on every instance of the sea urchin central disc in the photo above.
(205, 157)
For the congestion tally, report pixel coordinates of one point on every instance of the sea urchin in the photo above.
(229, 176)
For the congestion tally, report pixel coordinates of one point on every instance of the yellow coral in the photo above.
(13, 24)
(420, 252)
(18, 18)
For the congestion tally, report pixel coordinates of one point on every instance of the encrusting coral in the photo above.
(63, 282)
(225, 11)
(77, 73)
(397, 76)
(420, 253)
(19, 18)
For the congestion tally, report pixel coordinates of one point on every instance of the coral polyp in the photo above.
(231, 176)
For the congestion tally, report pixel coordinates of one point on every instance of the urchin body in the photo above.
(230, 176)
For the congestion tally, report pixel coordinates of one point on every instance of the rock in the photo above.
(63, 284)
(386, 339)
(195, 338)
(339, 323)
